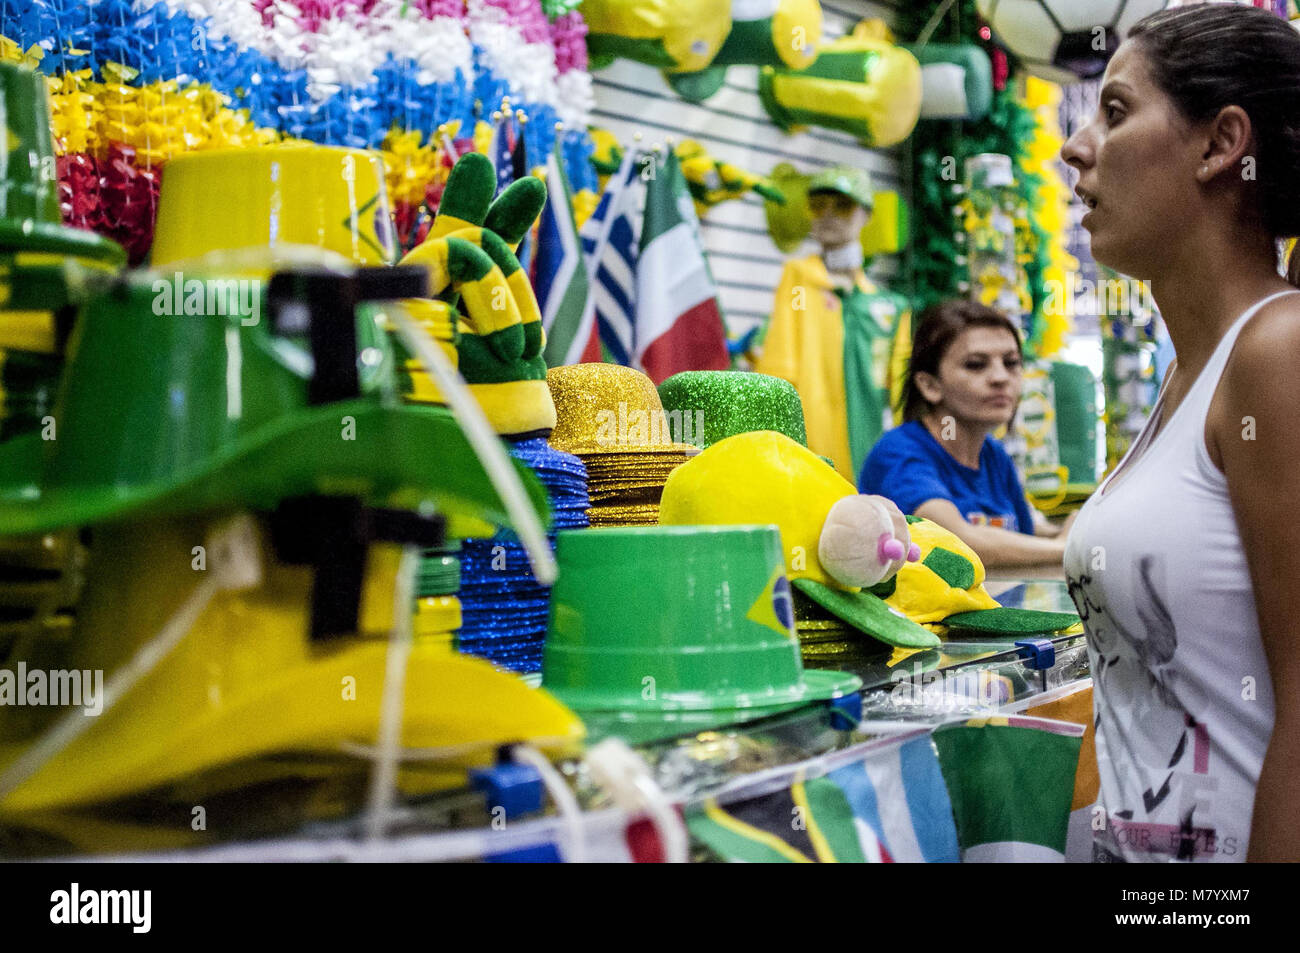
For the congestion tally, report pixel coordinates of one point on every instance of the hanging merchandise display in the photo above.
(669, 34)
(862, 84)
(1128, 364)
(1022, 124)
(991, 206)
(712, 181)
(956, 80)
(1064, 40)
(137, 84)
(694, 42)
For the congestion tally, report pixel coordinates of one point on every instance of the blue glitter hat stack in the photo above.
(504, 610)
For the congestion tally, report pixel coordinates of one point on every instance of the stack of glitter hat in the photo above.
(611, 418)
(504, 608)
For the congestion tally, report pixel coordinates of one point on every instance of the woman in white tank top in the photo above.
(1185, 565)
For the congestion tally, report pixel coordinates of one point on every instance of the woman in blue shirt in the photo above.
(963, 382)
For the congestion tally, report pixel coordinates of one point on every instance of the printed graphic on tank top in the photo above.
(1183, 701)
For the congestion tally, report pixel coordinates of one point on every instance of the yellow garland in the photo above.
(1051, 201)
(411, 167)
(11, 52)
(160, 120)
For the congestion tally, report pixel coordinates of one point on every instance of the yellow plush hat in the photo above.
(944, 590)
(948, 578)
(835, 541)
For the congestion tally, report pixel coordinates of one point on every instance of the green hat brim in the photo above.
(60, 240)
(699, 86)
(644, 727)
(401, 455)
(1009, 621)
(869, 615)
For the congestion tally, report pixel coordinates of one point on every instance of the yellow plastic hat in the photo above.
(245, 683)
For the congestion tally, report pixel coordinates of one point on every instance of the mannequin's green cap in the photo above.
(845, 180)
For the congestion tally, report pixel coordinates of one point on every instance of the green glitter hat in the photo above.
(715, 405)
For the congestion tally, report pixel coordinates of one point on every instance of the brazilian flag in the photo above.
(807, 823)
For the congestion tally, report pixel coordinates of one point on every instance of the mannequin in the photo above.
(833, 334)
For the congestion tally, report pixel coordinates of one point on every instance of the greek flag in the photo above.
(609, 243)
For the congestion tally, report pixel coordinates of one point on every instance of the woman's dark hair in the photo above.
(1209, 56)
(936, 328)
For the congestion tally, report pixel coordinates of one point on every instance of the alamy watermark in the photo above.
(238, 297)
(60, 688)
(1106, 297)
(647, 428)
(952, 689)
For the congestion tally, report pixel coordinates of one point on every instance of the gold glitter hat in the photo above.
(607, 408)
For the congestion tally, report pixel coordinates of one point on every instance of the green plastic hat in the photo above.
(720, 404)
(845, 180)
(681, 626)
(956, 81)
(29, 186)
(180, 413)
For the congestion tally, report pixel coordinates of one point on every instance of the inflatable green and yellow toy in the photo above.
(861, 84)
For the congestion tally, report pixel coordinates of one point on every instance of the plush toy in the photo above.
(835, 540)
(472, 243)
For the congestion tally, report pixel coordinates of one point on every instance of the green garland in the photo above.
(558, 8)
(1007, 127)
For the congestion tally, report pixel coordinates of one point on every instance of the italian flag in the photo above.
(678, 323)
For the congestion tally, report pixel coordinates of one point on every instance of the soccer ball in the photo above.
(1064, 40)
